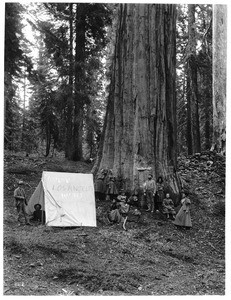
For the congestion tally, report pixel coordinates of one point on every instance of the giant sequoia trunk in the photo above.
(219, 77)
(140, 129)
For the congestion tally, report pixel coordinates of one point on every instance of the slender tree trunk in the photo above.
(23, 114)
(48, 139)
(79, 82)
(140, 130)
(208, 119)
(70, 105)
(189, 135)
(219, 77)
(207, 127)
(192, 93)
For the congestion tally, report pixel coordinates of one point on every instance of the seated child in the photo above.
(133, 201)
(38, 214)
(114, 214)
(119, 211)
(122, 196)
(168, 206)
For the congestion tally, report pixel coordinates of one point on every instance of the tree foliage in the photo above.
(78, 41)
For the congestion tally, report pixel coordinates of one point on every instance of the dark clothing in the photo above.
(168, 206)
(134, 212)
(100, 189)
(99, 185)
(112, 189)
(114, 205)
(134, 201)
(39, 215)
(159, 196)
(118, 212)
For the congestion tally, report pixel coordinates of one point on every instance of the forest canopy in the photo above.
(61, 62)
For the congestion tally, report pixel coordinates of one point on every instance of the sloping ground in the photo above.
(151, 258)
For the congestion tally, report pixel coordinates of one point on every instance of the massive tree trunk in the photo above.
(219, 77)
(140, 130)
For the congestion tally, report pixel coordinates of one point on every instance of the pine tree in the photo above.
(13, 56)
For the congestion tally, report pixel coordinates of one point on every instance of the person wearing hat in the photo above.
(159, 196)
(38, 214)
(149, 192)
(20, 202)
(122, 196)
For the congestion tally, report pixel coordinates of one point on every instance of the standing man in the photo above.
(149, 191)
(20, 202)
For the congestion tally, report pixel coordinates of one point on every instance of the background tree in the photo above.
(44, 98)
(140, 122)
(84, 26)
(219, 77)
(193, 125)
(204, 67)
(12, 71)
(194, 78)
(55, 25)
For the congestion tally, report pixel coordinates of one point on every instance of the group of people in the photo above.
(154, 194)
(105, 186)
(121, 204)
(155, 191)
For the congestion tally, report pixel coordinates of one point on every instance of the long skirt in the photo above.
(99, 186)
(115, 216)
(159, 197)
(183, 218)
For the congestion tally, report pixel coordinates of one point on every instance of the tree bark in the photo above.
(70, 105)
(140, 130)
(79, 82)
(193, 124)
(219, 77)
(48, 139)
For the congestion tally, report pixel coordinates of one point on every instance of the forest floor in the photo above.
(152, 257)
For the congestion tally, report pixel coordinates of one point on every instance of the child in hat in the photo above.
(168, 206)
(38, 214)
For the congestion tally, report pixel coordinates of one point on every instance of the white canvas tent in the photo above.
(68, 199)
